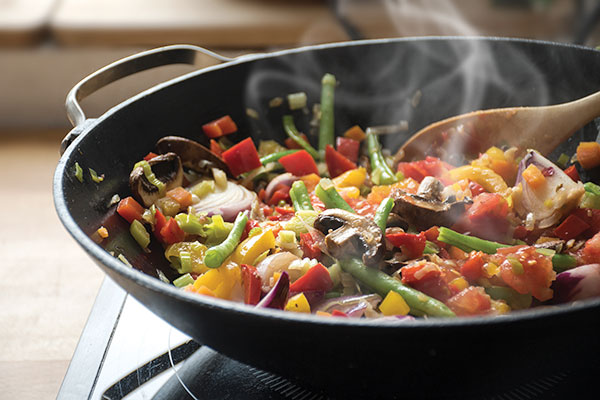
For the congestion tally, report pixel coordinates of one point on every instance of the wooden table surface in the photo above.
(47, 282)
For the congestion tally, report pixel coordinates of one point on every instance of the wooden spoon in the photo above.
(540, 128)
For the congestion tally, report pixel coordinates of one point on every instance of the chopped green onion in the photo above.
(563, 262)
(400, 176)
(185, 259)
(162, 276)
(430, 248)
(590, 200)
(183, 281)
(150, 176)
(296, 100)
(286, 236)
(517, 267)
(220, 178)
(546, 252)
(124, 260)
(327, 193)
(326, 124)
(139, 233)
(563, 160)
(592, 188)
(257, 230)
(190, 223)
(78, 172)
(95, 176)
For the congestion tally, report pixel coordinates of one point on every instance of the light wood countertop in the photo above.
(47, 282)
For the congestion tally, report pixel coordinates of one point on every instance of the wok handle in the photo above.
(175, 54)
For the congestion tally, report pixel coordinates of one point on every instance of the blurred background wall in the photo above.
(46, 46)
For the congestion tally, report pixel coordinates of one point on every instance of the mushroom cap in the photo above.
(193, 155)
(351, 235)
(167, 169)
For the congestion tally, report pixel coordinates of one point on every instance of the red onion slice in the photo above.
(285, 179)
(577, 284)
(277, 297)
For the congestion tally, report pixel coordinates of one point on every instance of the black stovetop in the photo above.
(126, 351)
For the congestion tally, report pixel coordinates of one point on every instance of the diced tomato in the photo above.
(251, 283)
(242, 157)
(159, 222)
(317, 204)
(475, 188)
(284, 210)
(572, 173)
(348, 148)
(535, 275)
(336, 162)
(267, 210)
(430, 166)
(215, 148)
(172, 233)
(291, 143)
(130, 209)
(411, 245)
(470, 301)
(472, 269)
(219, 127)
(362, 207)
(571, 227)
(299, 163)
(180, 195)
(432, 235)
(591, 251)
(428, 278)
(150, 156)
(282, 193)
(487, 217)
(262, 194)
(317, 278)
(309, 247)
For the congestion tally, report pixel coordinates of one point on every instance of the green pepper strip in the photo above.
(378, 165)
(382, 283)
(290, 129)
(214, 257)
(300, 197)
(560, 262)
(78, 172)
(326, 125)
(382, 213)
(276, 156)
(326, 192)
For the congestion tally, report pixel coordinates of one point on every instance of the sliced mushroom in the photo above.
(167, 169)
(423, 213)
(351, 235)
(431, 188)
(556, 245)
(193, 155)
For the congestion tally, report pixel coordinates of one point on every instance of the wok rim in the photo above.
(100, 255)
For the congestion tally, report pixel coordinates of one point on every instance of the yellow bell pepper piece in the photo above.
(196, 250)
(220, 281)
(247, 251)
(394, 304)
(355, 133)
(491, 181)
(310, 181)
(354, 177)
(298, 303)
(460, 283)
(349, 192)
(495, 153)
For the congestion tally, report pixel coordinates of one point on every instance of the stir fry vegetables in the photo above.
(345, 230)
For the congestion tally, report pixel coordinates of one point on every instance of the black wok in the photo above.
(378, 81)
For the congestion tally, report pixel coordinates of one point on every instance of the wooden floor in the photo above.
(47, 283)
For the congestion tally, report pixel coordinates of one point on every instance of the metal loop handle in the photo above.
(175, 54)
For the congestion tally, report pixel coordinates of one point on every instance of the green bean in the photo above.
(382, 213)
(214, 257)
(560, 262)
(382, 283)
(326, 192)
(381, 173)
(326, 125)
(300, 197)
(276, 156)
(290, 129)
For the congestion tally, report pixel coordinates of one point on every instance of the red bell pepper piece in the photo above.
(219, 127)
(282, 193)
(172, 233)
(130, 209)
(242, 157)
(476, 188)
(316, 278)
(336, 162)
(292, 144)
(308, 246)
(215, 148)
(488, 207)
(430, 166)
(591, 217)
(472, 269)
(571, 227)
(252, 284)
(338, 313)
(159, 222)
(348, 148)
(299, 163)
(411, 245)
(150, 156)
(420, 272)
(572, 172)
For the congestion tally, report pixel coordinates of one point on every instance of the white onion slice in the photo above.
(227, 203)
